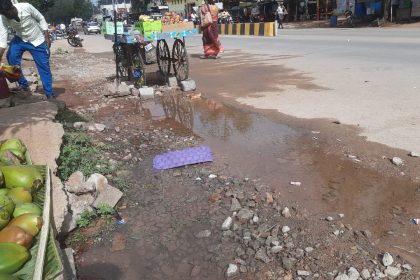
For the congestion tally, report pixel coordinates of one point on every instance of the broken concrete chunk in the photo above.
(97, 182)
(110, 196)
(188, 85)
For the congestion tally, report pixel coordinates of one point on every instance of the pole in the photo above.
(116, 42)
(317, 9)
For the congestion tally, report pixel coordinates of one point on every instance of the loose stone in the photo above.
(232, 270)
(227, 223)
(285, 229)
(387, 259)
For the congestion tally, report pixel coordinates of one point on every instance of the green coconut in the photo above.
(25, 176)
(20, 195)
(26, 208)
(31, 223)
(13, 144)
(9, 157)
(8, 277)
(4, 218)
(12, 257)
(7, 203)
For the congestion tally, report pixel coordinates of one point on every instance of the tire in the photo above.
(72, 42)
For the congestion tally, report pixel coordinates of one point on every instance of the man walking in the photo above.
(280, 15)
(31, 35)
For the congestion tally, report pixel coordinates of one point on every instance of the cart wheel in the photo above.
(163, 57)
(185, 112)
(139, 69)
(121, 59)
(180, 60)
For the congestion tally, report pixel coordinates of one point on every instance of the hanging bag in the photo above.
(207, 20)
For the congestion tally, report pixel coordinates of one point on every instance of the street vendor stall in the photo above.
(134, 47)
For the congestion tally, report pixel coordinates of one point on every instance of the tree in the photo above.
(65, 10)
(42, 5)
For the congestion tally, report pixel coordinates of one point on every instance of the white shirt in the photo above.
(29, 29)
(62, 26)
(280, 10)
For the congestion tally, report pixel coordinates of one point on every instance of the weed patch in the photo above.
(78, 152)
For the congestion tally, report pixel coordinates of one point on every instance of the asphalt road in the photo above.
(366, 77)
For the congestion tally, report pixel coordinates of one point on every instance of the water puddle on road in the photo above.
(250, 144)
(160, 242)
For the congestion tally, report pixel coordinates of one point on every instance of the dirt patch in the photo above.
(255, 154)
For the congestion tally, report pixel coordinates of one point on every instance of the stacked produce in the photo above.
(20, 219)
(144, 18)
(171, 18)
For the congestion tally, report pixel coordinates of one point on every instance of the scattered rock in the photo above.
(232, 270)
(235, 206)
(329, 218)
(177, 174)
(269, 198)
(387, 259)
(342, 277)
(243, 269)
(244, 215)
(117, 129)
(392, 272)
(288, 263)
(407, 266)
(303, 273)
(97, 182)
(353, 273)
(215, 197)
(110, 196)
(365, 274)
(227, 223)
(414, 154)
(80, 125)
(128, 157)
(341, 215)
(367, 233)
(96, 127)
(397, 161)
(172, 82)
(276, 249)
(212, 176)
(203, 234)
(286, 212)
(285, 229)
(262, 255)
(336, 232)
(255, 219)
(309, 249)
(146, 92)
(298, 184)
(76, 184)
(188, 85)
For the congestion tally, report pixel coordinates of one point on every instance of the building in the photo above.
(122, 7)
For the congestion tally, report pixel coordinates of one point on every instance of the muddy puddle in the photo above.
(252, 145)
(159, 241)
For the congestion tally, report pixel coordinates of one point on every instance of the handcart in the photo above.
(134, 51)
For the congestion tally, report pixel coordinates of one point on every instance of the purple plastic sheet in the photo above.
(182, 157)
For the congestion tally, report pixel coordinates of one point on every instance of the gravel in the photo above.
(387, 259)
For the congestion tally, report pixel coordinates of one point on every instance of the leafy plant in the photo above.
(78, 152)
(105, 211)
(86, 218)
(66, 116)
(121, 183)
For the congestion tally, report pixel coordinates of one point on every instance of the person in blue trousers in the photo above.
(31, 36)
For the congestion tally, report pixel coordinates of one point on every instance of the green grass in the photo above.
(86, 218)
(106, 212)
(121, 183)
(78, 152)
(65, 116)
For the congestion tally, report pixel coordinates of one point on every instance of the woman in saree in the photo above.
(211, 43)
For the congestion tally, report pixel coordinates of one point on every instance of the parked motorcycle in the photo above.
(349, 18)
(73, 38)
